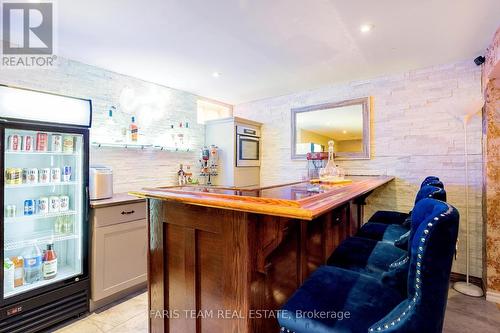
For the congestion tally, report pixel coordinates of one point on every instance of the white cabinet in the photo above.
(119, 252)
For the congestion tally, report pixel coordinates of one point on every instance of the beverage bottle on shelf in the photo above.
(110, 121)
(18, 271)
(188, 174)
(182, 176)
(134, 131)
(112, 133)
(32, 264)
(67, 227)
(57, 226)
(8, 275)
(49, 266)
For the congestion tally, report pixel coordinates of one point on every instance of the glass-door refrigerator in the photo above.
(44, 227)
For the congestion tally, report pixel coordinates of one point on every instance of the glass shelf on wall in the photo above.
(142, 146)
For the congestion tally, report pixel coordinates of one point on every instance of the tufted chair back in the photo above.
(432, 250)
(430, 191)
(429, 179)
(434, 181)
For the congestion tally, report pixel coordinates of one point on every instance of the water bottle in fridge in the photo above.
(32, 264)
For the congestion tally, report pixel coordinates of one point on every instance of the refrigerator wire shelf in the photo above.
(26, 218)
(63, 273)
(35, 153)
(9, 186)
(41, 239)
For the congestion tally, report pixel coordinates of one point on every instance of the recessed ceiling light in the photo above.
(365, 28)
(216, 74)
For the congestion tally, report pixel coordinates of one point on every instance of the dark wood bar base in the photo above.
(215, 270)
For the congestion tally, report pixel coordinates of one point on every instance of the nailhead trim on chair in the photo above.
(399, 263)
(417, 279)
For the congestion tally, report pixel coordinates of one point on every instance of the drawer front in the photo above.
(119, 214)
(339, 215)
(119, 258)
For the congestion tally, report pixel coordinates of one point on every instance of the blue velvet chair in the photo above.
(374, 257)
(432, 180)
(334, 299)
(379, 228)
(393, 217)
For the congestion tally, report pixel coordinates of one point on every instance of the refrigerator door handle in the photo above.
(87, 203)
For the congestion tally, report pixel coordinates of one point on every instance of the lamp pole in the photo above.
(466, 287)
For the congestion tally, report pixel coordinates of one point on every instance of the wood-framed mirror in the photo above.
(347, 123)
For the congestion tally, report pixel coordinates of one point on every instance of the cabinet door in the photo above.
(119, 258)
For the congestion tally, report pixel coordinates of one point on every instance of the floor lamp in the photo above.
(466, 287)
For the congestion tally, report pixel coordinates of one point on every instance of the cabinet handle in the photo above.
(128, 213)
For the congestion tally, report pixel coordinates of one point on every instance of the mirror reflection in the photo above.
(345, 123)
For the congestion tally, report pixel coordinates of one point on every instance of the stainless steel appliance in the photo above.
(101, 182)
(247, 146)
(238, 142)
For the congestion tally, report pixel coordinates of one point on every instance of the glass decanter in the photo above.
(331, 172)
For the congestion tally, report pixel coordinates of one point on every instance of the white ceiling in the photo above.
(267, 48)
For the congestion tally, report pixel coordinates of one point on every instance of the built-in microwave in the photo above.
(247, 146)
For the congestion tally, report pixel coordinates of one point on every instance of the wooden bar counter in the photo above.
(221, 259)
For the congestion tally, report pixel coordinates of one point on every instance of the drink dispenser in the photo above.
(209, 163)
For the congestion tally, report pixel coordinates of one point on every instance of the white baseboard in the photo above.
(493, 296)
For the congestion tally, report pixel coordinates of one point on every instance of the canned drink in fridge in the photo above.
(28, 143)
(66, 173)
(13, 176)
(44, 175)
(32, 176)
(42, 141)
(68, 143)
(10, 211)
(14, 143)
(55, 175)
(35, 206)
(25, 175)
(29, 207)
(56, 143)
(43, 205)
(63, 203)
(54, 204)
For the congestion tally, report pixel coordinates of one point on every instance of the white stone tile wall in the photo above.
(133, 168)
(413, 129)
(416, 131)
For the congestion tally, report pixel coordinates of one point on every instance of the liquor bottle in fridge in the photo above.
(44, 156)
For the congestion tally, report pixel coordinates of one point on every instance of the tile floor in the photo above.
(127, 316)
(463, 314)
